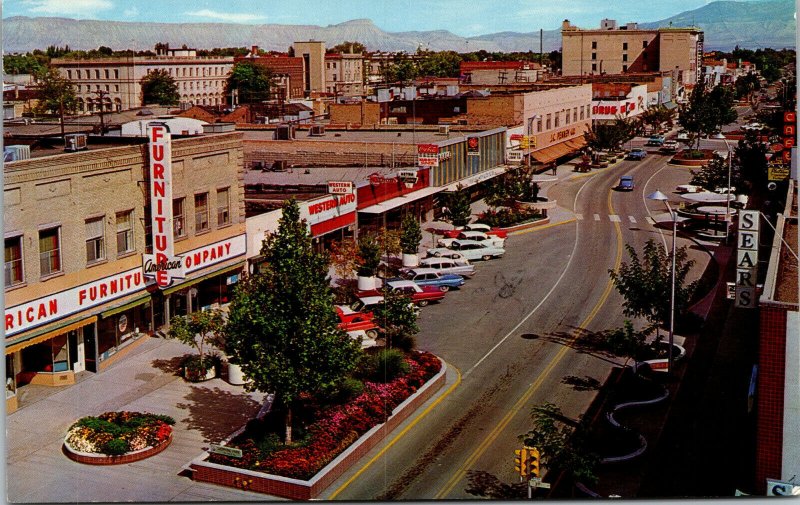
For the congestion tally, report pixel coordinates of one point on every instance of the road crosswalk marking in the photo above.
(597, 217)
(614, 218)
(579, 217)
(650, 220)
(633, 219)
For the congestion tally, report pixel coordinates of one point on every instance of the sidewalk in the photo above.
(37, 470)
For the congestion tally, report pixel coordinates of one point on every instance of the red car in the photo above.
(352, 320)
(420, 295)
(485, 228)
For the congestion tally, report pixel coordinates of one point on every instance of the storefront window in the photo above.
(60, 353)
(13, 261)
(11, 383)
(178, 222)
(117, 329)
(50, 251)
(223, 206)
(95, 243)
(201, 212)
(124, 232)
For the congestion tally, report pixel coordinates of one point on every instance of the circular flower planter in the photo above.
(681, 159)
(114, 438)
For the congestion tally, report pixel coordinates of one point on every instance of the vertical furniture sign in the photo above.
(162, 264)
(747, 259)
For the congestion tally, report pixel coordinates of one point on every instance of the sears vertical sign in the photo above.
(747, 259)
(162, 264)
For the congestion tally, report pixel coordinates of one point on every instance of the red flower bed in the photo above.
(338, 427)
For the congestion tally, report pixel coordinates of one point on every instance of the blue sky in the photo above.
(465, 18)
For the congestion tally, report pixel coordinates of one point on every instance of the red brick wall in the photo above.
(367, 113)
(771, 377)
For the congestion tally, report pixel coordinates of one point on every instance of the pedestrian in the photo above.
(554, 169)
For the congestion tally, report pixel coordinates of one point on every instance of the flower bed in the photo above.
(113, 436)
(334, 429)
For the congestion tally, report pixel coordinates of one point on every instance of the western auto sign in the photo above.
(473, 146)
(747, 259)
(53, 307)
(328, 208)
(340, 187)
(427, 155)
(162, 265)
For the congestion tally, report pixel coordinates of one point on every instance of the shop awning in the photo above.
(380, 208)
(552, 153)
(135, 300)
(475, 179)
(192, 282)
(46, 335)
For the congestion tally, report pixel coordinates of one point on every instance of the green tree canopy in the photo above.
(158, 87)
(348, 47)
(645, 283)
(750, 162)
(253, 82)
(714, 174)
(198, 330)
(369, 254)
(458, 206)
(610, 136)
(398, 318)
(411, 234)
(55, 91)
(282, 327)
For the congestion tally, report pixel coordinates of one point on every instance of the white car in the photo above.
(461, 267)
(688, 188)
(682, 135)
(470, 249)
(724, 190)
(477, 236)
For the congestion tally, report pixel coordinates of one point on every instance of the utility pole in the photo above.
(101, 95)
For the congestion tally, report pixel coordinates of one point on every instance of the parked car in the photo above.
(477, 236)
(670, 146)
(723, 190)
(688, 188)
(430, 277)
(353, 320)
(485, 228)
(625, 183)
(461, 266)
(682, 135)
(753, 126)
(637, 154)
(420, 295)
(469, 249)
(655, 140)
(371, 300)
(446, 254)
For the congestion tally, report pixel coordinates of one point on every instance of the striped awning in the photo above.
(47, 335)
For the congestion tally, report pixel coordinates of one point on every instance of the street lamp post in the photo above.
(728, 194)
(658, 195)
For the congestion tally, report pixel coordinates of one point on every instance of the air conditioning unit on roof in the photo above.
(444, 129)
(317, 130)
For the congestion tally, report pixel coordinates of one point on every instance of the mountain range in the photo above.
(726, 24)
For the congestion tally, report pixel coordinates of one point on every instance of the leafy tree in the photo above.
(389, 241)
(721, 106)
(411, 234)
(627, 342)
(348, 47)
(369, 255)
(610, 136)
(706, 112)
(655, 116)
(515, 186)
(398, 318)
(750, 162)
(55, 91)
(458, 206)
(441, 64)
(24, 63)
(199, 329)
(158, 87)
(645, 284)
(746, 85)
(344, 258)
(714, 174)
(562, 443)
(253, 81)
(282, 327)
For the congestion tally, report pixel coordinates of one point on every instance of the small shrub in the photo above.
(404, 342)
(391, 363)
(116, 446)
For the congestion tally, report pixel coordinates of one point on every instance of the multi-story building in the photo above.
(313, 54)
(617, 50)
(114, 83)
(344, 74)
(78, 236)
(499, 72)
(288, 71)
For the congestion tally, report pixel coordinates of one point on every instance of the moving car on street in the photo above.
(637, 154)
(670, 146)
(625, 183)
(470, 249)
(655, 140)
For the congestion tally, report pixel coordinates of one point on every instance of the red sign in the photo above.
(789, 117)
(516, 136)
(428, 155)
(472, 146)
(788, 130)
(340, 187)
(377, 179)
(776, 148)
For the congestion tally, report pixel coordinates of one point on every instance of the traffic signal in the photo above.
(533, 461)
(521, 462)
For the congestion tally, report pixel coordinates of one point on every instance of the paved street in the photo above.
(510, 330)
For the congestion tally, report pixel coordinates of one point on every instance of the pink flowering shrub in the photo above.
(337, 427)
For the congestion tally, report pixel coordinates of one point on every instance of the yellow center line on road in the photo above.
(398, 436)
(489, 440)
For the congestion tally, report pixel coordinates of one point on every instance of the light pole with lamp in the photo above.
(658, 195)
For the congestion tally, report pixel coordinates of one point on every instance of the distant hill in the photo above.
(726, 24)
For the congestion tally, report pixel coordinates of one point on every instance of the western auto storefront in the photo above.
(383, 199)
(331, 217)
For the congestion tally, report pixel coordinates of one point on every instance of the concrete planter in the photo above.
(410, 260)
(90, 458)
(366, 283)
(235, 375)
(296, 489)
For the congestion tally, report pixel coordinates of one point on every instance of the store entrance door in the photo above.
(77, 350)
(89, 348)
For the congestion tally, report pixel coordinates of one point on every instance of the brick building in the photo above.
(620, 50)
(77, 232)
(344, 74)
(778, 380)
(289, 69)
(499, 72)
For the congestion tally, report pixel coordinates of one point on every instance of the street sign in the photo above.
(537, 482)
(731, 293)
(224, 450)
(778, 172)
